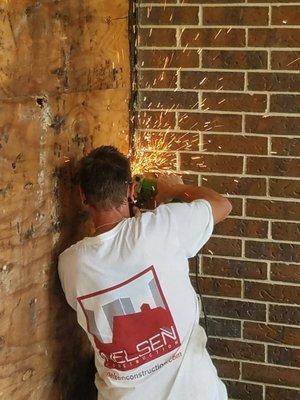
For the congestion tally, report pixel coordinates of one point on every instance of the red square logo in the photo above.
(131, 322)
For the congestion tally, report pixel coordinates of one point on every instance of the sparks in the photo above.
(292, 62)
(218, 34)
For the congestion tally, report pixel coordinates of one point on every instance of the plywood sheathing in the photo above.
(64, 88)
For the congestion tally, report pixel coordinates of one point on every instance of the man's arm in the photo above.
(221, 206)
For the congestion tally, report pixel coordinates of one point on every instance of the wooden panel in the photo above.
(64, 88)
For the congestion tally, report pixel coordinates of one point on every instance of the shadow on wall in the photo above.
(75, 360)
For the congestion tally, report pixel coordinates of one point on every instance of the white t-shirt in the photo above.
(131, 290)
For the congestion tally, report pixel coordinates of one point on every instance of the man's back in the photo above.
(132, 294)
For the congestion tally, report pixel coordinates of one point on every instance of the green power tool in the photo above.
(146, 192)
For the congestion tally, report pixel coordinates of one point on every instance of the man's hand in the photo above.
(165, 187)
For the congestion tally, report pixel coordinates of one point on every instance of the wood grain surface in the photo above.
(64, 89)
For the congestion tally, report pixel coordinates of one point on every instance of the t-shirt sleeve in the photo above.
(192, 222)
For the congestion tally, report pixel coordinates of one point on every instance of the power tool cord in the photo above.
(199, 291)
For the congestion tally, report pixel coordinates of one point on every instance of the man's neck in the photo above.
(106, 220)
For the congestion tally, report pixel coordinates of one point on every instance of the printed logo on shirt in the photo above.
(131, 322)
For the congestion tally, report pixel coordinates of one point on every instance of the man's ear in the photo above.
(131, 192)
(82, 195)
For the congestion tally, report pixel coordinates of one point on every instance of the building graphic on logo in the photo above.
(131, 322)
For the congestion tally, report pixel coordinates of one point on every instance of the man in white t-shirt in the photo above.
(129, 284)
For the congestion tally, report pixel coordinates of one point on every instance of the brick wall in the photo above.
(219, 91)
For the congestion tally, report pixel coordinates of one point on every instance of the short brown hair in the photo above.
(104, 176)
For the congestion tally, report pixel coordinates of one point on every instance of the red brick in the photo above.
(274, 82)
(274, 37)
(226, 368)
(235, 309)
(236, 185)
(168, 15)
(272, 209)
(286, 15)
(157, 37)
(284, 314)
(168, 100)
(273, 392)
(237, 206)
(284, 356)
(234, 268)
(212, 122)
(282, 146)
(211, 163)
(244, 391)
(234, 59)
(156, 120)
(242, 227)
(286, 231)
(285, 272)
(236, 349)
(284, 188)
(285, 60)
(223, 327)
(273, 166)
(274, 375)
(273, 251)
(223, 247)
(235, 144)
(193, 265)
(274, 293)
(213, 37)
(235, 15)
(190, 179)
(168, 58)
(208, 80)
(285, 103)
(220, 287)
(270, 333)
(167, 141)
(166, 162)
(157, 79)
(273, 125)
(234, 102)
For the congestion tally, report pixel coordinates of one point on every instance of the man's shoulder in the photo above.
(72, 251)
